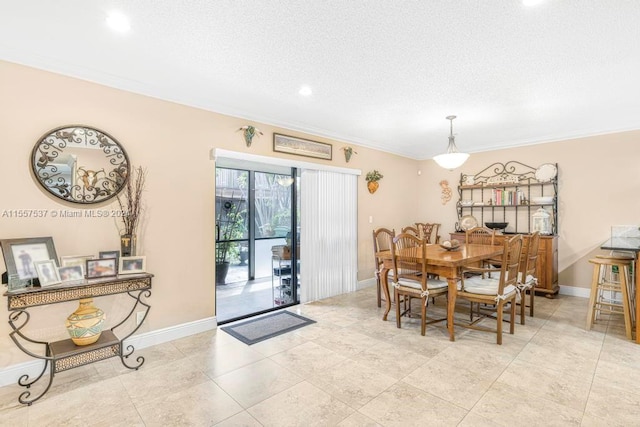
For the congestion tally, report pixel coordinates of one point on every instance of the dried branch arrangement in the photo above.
(130, 200)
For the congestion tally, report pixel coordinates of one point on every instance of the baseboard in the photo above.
(366, 283)
(11, 374)
(171, 333)
(575, 292)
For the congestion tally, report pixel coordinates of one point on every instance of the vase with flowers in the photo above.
(130, 202)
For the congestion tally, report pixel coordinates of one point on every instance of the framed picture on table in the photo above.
(133, 264)
(72, 273)
(20, 256)
(110, 254)
(47, 272)
(72, 260)
(101, 267)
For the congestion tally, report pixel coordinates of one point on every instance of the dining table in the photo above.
(446, 264)
(629, 244)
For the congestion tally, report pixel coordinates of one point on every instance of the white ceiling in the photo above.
(384, 74)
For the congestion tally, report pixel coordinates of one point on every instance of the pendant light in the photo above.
(285, 181)
(452, 158)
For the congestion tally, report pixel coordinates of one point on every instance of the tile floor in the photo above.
(353, 369)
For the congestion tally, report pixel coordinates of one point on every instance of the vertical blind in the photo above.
(328, 236)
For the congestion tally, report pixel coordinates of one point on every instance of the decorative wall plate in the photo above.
(546, 172)
(468, 222)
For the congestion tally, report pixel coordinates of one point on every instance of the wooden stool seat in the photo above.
(610, 274)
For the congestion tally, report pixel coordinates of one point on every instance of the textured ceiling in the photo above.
(384, 74)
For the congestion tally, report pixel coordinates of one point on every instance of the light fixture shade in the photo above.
(452, 158)
(451, 161)
(285, 181)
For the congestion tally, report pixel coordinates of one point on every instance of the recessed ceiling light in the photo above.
(531, 3)
(117, 21)
(305, 91)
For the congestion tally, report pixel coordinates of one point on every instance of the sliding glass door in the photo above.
(255, 215)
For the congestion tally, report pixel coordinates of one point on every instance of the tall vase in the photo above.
(86, 323)
(127, 245)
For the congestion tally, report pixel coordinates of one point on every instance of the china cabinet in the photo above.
(522, 199)
(511, 192)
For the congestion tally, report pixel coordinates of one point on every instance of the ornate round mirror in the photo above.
(80, 164)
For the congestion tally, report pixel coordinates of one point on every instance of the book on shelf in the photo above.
(502, 197)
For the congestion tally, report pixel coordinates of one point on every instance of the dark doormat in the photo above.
(265, 327)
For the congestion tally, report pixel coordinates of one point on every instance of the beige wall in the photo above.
(173, 142)
(598, 187)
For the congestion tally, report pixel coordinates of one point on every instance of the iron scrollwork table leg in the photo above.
(18, 320)
(146, 293)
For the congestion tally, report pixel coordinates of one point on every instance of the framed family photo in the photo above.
(47, 272)
(71, 260)
(110, 254)
(133, 264)
(20, 256)
(72, 273)
(102, 267)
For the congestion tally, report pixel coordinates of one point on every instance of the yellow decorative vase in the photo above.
(372, 186)
(86, 323)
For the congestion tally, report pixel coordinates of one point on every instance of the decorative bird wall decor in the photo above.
(249, 132)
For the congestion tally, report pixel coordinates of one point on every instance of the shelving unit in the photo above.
(281, 280)
(62, 355)
(504, 193)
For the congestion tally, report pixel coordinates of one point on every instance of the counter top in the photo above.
(622, 244)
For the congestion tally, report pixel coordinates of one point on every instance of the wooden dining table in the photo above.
(445, 264)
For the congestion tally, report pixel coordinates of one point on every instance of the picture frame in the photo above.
(47, 272)
(71, 273)
(110, 254)
(71, 260)
(133, 264)
(19, 257)
(302, 147)
(101, 267)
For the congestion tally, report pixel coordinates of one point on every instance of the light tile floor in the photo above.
(353, 369)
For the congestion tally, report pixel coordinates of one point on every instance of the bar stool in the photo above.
(610, 275)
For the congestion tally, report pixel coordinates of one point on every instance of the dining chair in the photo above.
(497, 290)
(409, 255)
(429, 231)
(480, 235)
(382, 241)
(527, 279)
(483, 236)
(414, 231)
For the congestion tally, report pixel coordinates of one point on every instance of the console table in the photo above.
(63, 355)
